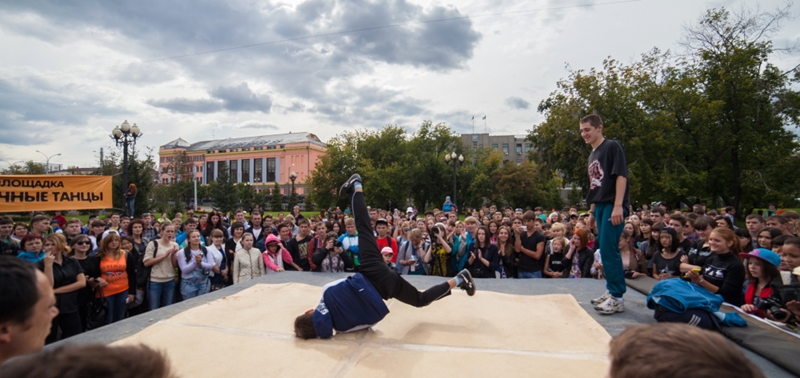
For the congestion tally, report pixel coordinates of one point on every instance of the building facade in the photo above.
(260, 161)
(513, 147)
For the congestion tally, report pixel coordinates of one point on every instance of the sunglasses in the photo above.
(83, 243)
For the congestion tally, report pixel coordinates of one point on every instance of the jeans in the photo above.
(160, 294)
(117, 307)
(524, 274)
(608, 235)
(130, 207)
(191, 289)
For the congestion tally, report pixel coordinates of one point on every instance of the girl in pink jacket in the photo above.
(275, 255)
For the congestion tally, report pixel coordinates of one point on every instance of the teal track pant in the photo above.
(608, 236)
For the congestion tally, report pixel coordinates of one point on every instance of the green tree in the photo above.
(710, 125)
(29, 167)
(248, 197)
(276, 198)
(527, 185)
(223, 191)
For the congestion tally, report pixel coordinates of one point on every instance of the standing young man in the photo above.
(609, 202)
(298, 246)
(356, 302)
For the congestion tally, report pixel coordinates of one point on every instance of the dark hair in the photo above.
(780, 240)
(18, 289)
(486, 235)
(743, 233)
(704, 222)
(281, 226)
(529, 215)
(757, 217)
(128, 239)
(27, 238)
(129, 231)
(6, 220)
(592, 119)
(90, 360)
(781, 219)
(795, 241)
(190, 220)
(236, 225)
(304, 327)
(675, 243)
(303, 221)
(726, 219)
(773, 233)
(679, 218)
(658, 210)
(187, 252)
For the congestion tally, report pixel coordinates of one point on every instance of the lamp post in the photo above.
(292, 176)
(47, 161)
(125, 135)
(455, 161)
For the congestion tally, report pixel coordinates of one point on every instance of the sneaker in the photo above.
(467, 284)
(602, 298)
(347, 188)
(610, 307)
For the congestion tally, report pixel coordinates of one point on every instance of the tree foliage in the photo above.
(276, 198)
(713, 124)
(223, 191)
(402, 168)
(29, 167)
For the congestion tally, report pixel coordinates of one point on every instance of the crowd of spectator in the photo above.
(137, 265)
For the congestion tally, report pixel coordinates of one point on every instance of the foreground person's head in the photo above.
(27, 307)
(90, 360)
(676, 350)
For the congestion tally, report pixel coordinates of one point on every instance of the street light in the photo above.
(455, 161)
(47, 162)
(125, 135)
(292, 176)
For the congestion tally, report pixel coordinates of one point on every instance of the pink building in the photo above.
(261, 160)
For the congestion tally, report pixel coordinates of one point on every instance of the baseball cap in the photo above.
(387, 251)
(381, 220)
(410, 210)
(764, 255)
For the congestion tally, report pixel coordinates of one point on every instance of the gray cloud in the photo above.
(517, 103)
(238, 98)
(256, 125)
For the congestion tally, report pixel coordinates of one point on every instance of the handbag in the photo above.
(97, 311)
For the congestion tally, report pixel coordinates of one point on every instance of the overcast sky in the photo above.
(71, 71)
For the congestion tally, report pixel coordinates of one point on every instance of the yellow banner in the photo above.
(54, 192)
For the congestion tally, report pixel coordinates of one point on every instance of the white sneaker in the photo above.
(610, 307)
(602, 298)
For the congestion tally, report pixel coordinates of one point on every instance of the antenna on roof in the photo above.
(212, 134)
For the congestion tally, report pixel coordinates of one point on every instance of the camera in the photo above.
(337, 244)
(775, 307)
(628, 273)
(435, 231)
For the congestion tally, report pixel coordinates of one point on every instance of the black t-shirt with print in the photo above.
(299, 251)
(727, 273)
(606, 163)
(671, 266)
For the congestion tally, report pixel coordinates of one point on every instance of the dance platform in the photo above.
(510, 328)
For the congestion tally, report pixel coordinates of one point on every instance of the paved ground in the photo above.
(583, 290)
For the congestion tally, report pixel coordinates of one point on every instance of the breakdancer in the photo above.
(356, 302)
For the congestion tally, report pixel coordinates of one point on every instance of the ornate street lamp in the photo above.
(454, 160)
(125, 135)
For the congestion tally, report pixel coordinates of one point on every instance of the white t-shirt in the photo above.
(216, 255)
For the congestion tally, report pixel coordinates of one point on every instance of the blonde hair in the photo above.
(415, 235)
(470, 220)
(558, 227)
(102, 249)
(561, 240)
(60, 242)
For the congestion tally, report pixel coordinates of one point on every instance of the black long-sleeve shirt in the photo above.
(489, 253)
(726, 272)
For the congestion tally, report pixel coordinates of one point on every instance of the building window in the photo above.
(494, 146)
(271, 170)
(233, 165)
(519, 148)
(257, 169)
(210, 171)
(505, 148)
(527, 147)
(245, 170)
